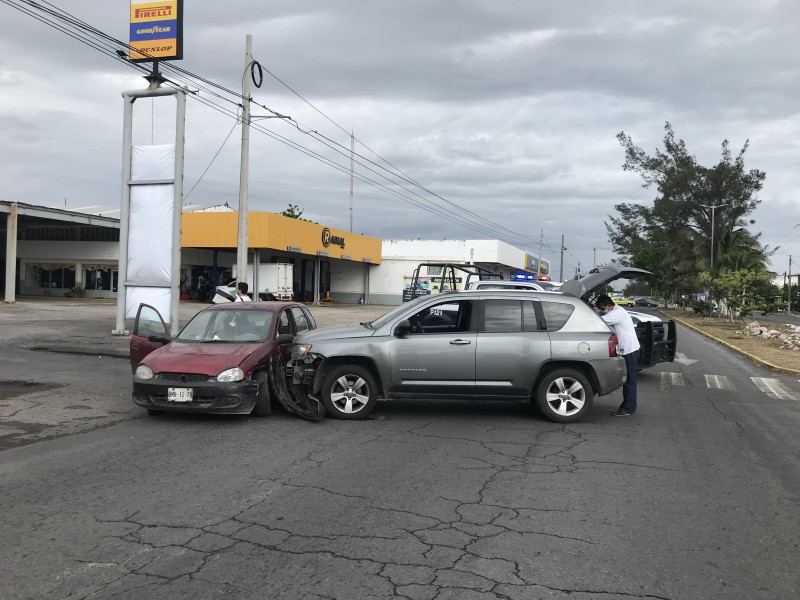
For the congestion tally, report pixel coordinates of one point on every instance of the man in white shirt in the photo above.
(241, 292)
(621, 323)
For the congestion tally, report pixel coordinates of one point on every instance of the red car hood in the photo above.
(206, 359)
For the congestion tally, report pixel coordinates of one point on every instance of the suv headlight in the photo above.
(234, 374)
(300, 350)
(143, 372)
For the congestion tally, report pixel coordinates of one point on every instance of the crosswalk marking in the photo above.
(669, 379)
(773, 388)
(718, 382)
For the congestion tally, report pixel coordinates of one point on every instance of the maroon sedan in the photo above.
(225, 360)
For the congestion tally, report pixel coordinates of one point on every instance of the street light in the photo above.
(713, 207)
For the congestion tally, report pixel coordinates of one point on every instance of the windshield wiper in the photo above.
(366, 324)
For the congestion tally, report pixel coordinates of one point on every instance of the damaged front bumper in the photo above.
(294, 381)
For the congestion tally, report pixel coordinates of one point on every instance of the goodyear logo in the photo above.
(156, 30)
(328, 239)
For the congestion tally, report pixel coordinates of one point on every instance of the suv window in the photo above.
(556, 314)
(445, 317)
(508, 316)
(502, 316)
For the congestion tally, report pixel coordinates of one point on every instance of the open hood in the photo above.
(597, 278)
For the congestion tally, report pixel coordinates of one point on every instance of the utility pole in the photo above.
(789, 294)
(561, 270)
(713, 207)
(352, 172)
(539, 258)
(594, 258)
(241, 245)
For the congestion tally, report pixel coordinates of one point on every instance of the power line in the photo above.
(70, 25)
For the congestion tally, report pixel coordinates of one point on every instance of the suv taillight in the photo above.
(613, 346)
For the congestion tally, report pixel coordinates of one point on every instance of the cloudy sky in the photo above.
(505, 112)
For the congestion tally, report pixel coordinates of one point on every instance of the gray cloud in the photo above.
(506, 108)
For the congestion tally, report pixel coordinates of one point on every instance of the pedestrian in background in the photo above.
(621, 323)
(241, 292)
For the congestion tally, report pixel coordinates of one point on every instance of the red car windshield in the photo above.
(230, 325)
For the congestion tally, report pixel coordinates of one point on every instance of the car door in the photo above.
(437, 357)
(148, 323)
(293, 397)
(511, 347)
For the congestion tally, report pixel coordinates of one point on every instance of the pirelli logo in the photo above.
(154, 12)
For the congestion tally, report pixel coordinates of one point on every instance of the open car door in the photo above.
(294, 397)
(149, 324)
(658, 342)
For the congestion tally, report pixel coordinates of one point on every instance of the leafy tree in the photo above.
(738, 290)
(295, 212)
(672, 238)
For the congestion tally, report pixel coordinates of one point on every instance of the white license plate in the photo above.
(179, 394)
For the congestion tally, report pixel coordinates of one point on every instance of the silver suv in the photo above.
(540, 347)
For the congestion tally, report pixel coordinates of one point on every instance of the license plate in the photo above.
(179, 394)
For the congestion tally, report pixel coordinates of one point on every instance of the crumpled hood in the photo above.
(331, 333)
(207, 359)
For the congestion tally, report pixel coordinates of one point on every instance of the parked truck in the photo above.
(272, 281)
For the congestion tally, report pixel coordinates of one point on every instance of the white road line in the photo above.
(773, 388)
(669, 380)
(718, 382)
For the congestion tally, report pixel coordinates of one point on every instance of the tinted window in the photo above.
(502, 316)
(556, 314)
(300, 319)
(445, 317)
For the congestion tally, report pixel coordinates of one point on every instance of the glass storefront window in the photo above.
(100, 277)
(52, 276)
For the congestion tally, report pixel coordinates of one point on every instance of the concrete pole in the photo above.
(124, 214)
(177, 214)
(317, 281)
(11, 253)
(789, 291)
(561, 270)
(539, 258)
(352, 174)
(241, 246)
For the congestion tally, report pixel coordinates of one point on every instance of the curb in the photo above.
(752, 357)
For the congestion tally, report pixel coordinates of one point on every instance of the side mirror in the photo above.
(284, 338)
(164, 338)
(402, 328)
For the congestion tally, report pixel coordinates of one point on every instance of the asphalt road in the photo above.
(696, 496)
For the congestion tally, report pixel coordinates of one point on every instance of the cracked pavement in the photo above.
(694, 497)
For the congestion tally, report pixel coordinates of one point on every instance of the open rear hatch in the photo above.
(658, 341)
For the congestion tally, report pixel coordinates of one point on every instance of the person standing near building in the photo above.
(241, 292)
(621, 323)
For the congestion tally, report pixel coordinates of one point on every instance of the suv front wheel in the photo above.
(564, 395)
(349, 392)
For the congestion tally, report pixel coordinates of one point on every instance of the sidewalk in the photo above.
(83, 326)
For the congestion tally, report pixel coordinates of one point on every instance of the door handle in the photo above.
(460, 342)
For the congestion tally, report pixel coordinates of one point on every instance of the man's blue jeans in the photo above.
(629, 388)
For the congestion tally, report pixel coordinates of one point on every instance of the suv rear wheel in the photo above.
(349, 392)
(564, 395)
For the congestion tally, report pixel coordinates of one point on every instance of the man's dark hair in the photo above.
(604, 300)
(242, 286)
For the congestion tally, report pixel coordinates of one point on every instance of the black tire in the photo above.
(564, 395)
(263, 406)
(154, 412)
(349, 392)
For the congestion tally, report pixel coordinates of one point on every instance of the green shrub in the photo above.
(700, 307)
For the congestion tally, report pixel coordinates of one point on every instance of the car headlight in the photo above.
(300, 350)
(143, 372)
(234, 374)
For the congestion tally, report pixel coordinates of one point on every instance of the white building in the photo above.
(399, 259)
